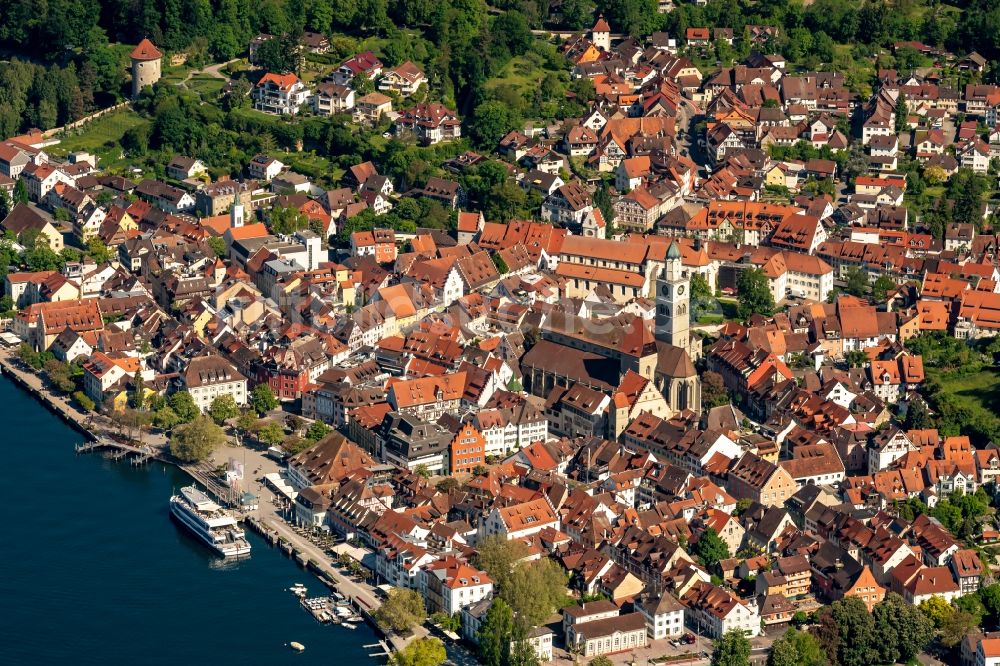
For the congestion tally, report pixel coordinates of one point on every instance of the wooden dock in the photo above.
(117, 450)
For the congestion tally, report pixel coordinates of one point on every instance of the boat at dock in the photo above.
(209, 522)
(319, 608)
(298, 590)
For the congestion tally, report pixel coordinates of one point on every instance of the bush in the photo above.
(85, 403)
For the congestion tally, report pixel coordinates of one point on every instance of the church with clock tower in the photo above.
(675, 347)
(673, 308)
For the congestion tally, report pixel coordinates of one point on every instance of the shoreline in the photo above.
(279, 535)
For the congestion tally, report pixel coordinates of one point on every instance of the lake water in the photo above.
(94, 571)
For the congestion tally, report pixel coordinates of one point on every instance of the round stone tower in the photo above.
(145, 66)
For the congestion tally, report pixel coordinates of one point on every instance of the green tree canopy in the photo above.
(702, 298)
(496, 633)
(710, 548)
(901, 630)
(317, 431)
(287, 220)
(402, 610)
(733, 649)
(196, 440)
(857, 645)
(218, 246)
(881, 288)
(754, 293)
(59, 374)
(278, 55)
(498, 557)
(490, 122)
(857, 282)
(224, 408)
(98, 251)
(271, 432)
(262, 399)
(532, 589)
(421, 652)
(165, 418)
(796, 648)
(183, 405)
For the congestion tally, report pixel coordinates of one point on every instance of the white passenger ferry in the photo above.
(209, 522)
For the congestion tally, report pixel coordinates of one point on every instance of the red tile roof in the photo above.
(145, 51)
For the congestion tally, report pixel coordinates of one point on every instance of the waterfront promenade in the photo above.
(267, 516)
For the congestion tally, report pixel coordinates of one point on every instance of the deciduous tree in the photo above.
(262, 399)
(857, 632)
(901, 630)
(754, 294)
(224, 408)
(317, 431)
(402, 610)
(165, 418)
(710, 548)
(733, 649)
(713, 390)
(796, 648)
(271, 433)
(881, 287)
(59, 374)
(196, 440)
(498, 557)
(495, 634)
(183, 405)
(490, 122)
(421, 652)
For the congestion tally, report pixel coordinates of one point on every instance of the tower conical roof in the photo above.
(145, 50)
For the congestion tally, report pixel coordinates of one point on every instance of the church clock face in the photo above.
(665, 289)
(680, 290)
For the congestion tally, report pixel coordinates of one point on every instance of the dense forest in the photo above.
(76, 44)
(50, 30)
(71, 56)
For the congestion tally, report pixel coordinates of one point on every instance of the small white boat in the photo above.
(348, 625)
(298, 590)
(298, 647)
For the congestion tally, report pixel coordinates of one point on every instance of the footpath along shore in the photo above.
(265, 520)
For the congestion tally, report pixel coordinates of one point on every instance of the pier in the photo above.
(98, 428)
(118, 450)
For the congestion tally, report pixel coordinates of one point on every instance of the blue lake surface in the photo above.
(94, 571)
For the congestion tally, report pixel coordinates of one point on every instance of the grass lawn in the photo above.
(174, 75)
(521, 74)
(730, 308)
(315, 72)
(95, 136)
(208, 87)
(981, 389)
(314, 166)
